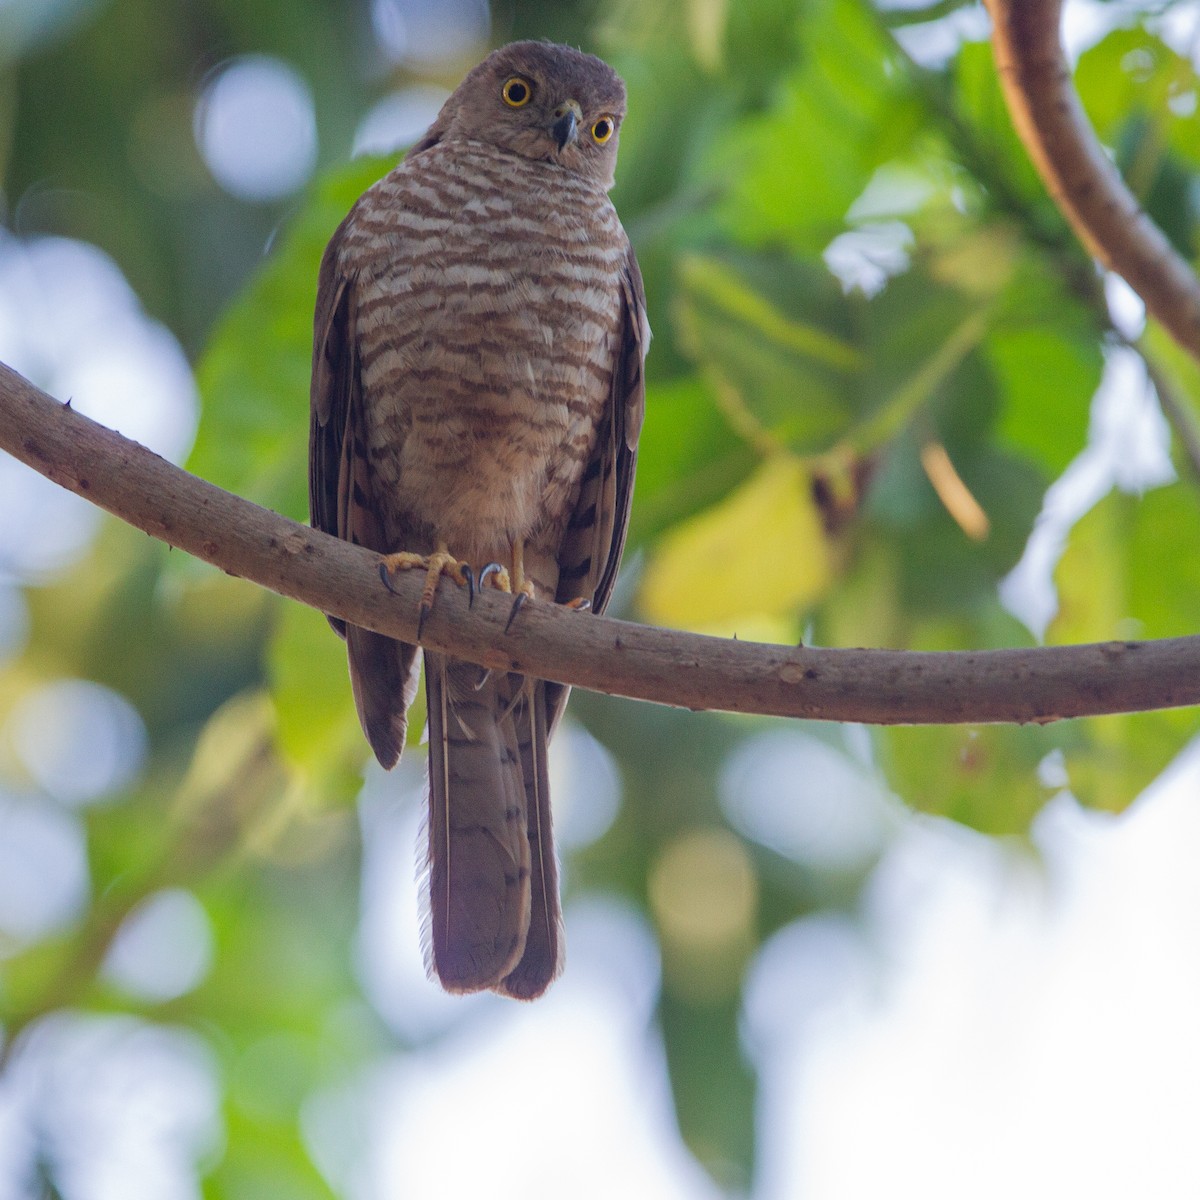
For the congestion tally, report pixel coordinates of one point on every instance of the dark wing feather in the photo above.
(334, 377)
(595, 537)
(383, 672)
(629, 410)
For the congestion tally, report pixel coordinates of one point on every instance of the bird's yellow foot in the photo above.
(517, 584)
(435, 565)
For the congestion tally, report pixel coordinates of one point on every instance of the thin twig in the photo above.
(1179, 416)
(660, 665)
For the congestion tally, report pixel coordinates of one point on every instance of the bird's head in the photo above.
(542, 101)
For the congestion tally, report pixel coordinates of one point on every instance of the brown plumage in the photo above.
(477, 386)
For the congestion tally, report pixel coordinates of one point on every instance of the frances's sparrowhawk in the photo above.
(477, 396)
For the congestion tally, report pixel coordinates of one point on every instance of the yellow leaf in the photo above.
(747, 566)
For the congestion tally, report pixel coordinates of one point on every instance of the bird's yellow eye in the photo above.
(602, 129)
(517, 91)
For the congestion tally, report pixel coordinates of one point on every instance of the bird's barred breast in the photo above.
(488, 308)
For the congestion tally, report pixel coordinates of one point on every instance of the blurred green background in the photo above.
(877, 346)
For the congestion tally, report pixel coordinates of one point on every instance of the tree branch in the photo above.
(1082, 179)
(664, 666)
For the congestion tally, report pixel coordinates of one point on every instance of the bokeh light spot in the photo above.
(865, 258)
(414, 31)
(14, 621)
(585, 786)
(44, 527)
(398, 120)
(43, 870)
(804, 798)
(257, 129)
(80, 741)
(164, 947)
(704, 897)
(110, 1107)
(25, 24)
(703, 888)
(70, 322)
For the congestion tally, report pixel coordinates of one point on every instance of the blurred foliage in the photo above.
(859, 291)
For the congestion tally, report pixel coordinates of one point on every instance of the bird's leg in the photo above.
(502, 580)
(522, 588)
(440, 562)
(520, 585)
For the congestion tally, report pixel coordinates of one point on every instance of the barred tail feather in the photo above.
(479, 853)
(543, 959)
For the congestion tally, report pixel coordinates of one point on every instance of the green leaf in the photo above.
(769, 333)
(713, 1085)
(316, 725)
(980, 100)
(985, 777)
(796, 170)
(1141, 97)
(1130, 75)
(688, 457)
(1046, 351)
(945, 571)
(710, 282)
(1047, 382)
(1111, 760)
(919, 335)
(944, 565)
(1123, 576)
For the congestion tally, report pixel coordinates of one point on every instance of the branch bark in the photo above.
(1078, 173)
(660, 665)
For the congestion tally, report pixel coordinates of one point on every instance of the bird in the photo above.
(477, 395)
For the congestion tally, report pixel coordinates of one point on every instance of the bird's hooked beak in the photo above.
(566, 123)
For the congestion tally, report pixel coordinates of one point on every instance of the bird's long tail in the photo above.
(493, 888)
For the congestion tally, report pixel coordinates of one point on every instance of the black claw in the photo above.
(493, 568)
(471, 585)
(516, 608)
(484, 676)
(422, 612)
(385, 575)
(584, 605)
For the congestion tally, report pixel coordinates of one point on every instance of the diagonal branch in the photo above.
(1079, 174)
(661, 665)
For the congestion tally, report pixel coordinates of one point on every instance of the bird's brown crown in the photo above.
(542, 101)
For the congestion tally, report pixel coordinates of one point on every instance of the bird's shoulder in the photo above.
(462, 197)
